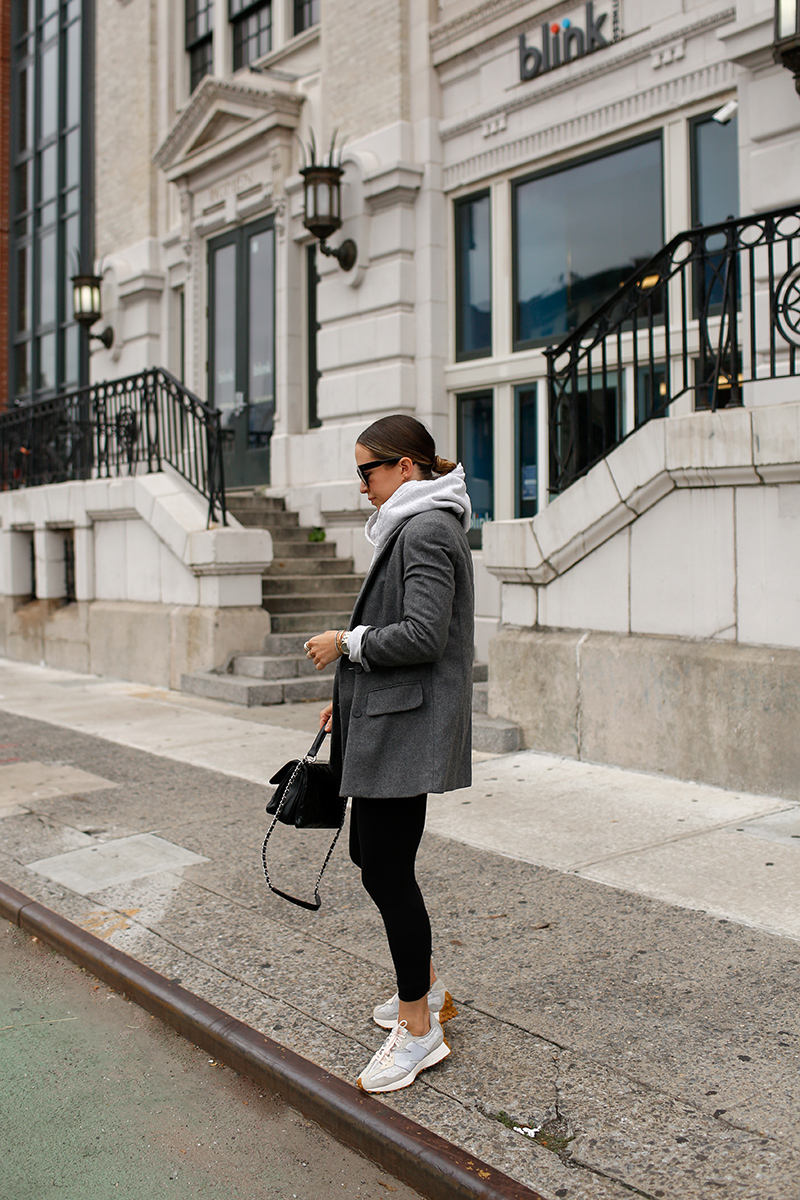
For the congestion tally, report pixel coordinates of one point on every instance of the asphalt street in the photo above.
(99, 1100)
(646, 1034)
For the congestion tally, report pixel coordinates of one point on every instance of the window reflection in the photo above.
(579, 233)
(527, 504)
(224, 380)
(476, 453)
(473, 277)
(715, 197)
(261, 321)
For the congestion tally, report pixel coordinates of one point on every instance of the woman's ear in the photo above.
(406, 468)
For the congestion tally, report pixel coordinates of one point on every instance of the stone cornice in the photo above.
(239, 98)
(664, 96)
(477, 18)
(532, 93)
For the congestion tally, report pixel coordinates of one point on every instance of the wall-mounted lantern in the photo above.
(86, 306)
(322, 186)
(786, 49)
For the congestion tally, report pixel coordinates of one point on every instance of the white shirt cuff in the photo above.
(354, 639)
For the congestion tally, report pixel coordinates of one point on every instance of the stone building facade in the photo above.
(508, 165)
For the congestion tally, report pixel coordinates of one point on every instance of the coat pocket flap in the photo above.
(400, 698)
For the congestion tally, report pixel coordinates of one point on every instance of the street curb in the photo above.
(426, 1162)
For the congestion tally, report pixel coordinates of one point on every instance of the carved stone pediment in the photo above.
(222, 116)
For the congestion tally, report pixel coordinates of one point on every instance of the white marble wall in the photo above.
(690, 529)
(142, 539)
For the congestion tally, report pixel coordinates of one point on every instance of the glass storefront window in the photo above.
(261, 338)
(223, 308)
(241, 338)
(51, 234)
(527, 478)
(715, 198)
(473, 277)
(476, 453)
(579, 232)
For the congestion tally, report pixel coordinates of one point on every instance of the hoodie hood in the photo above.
(445, 492)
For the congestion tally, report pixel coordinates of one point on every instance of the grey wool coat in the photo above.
(404, 726)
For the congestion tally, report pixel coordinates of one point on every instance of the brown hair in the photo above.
(405, 437)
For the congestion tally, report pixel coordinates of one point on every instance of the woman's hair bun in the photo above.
(443, 466)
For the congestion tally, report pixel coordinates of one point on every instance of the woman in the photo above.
(401, 716)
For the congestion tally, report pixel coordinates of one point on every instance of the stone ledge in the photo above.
(731, 447)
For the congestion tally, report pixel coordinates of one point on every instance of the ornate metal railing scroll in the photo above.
(117, 427)
(715, 310)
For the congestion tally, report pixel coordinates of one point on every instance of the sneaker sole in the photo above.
(430, 1060)
(446, 1012)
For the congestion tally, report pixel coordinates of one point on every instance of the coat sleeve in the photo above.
(421, 634)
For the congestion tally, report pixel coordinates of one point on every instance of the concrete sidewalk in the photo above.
(652, 1021)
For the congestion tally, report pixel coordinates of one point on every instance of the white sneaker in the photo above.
(402, 1057)
(440, 1003)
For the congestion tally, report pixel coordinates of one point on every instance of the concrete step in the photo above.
(318, 622)
(249, 501)
(233, 689)
(495, 735)
(318, 687)
(251, 693)
(266, 666)
(286, 585)
(282, 522)
(315, 602)
(287, 644)
(286, 533)
(480, 672)
(480, 697)
(309, 567)
(285, 548)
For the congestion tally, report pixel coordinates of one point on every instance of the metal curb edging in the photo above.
(434, 1167)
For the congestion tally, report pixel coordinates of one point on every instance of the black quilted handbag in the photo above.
(306, 796)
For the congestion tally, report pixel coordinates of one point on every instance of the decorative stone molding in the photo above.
(570, 79)
(665, 96)
(222, 110)
(398, 183)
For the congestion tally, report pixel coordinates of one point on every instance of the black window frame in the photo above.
(72, 200)
(199, 40)
(306, 14)
(312, 329)
(483, 352)
(240, 14)
(519, 345)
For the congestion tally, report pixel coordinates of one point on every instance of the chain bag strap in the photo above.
(314, 905)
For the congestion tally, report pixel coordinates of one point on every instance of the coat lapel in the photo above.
(377, 560)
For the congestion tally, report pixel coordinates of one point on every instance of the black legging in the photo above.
(384, 839)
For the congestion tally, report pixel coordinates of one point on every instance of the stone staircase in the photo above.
(308, 589)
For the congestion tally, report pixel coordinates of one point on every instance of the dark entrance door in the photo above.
(241, 347)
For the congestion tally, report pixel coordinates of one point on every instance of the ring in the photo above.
(308, 654)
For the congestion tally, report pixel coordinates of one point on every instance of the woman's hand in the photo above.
(326, 718)
(321, 649)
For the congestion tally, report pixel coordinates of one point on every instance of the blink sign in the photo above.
(562, 42)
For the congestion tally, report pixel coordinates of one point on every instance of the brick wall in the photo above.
(125, 127)
(365, 65)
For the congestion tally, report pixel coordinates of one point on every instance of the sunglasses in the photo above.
(364, 470)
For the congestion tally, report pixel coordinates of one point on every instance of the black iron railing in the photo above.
(716, 309)
(118, 427)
